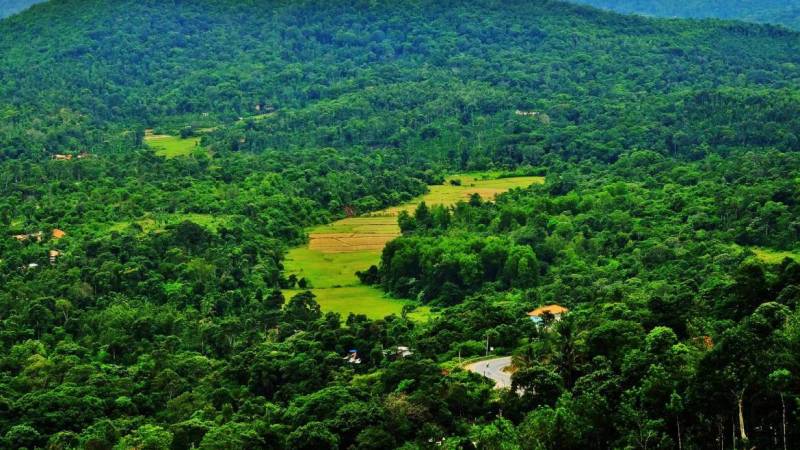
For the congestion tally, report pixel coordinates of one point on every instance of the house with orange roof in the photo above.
(58, 234)
(552, 313)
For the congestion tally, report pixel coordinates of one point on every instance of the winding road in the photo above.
(494, 369)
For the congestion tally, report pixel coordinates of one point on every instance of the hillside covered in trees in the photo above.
(426, 78)
(782, 12)
(144, 301)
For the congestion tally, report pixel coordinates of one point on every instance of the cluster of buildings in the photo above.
(398, 352)
(68, 157)
(53, 254)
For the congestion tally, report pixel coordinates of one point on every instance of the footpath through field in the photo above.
(337, 250)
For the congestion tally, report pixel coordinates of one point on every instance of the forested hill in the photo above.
(408, 75)
(783, 12)
(9, 7)
(148, 301)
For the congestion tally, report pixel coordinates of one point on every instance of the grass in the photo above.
(448, 194)
(329, 270)
(361, 225)
(160, 222)
(774, 256)
(365, 300)
(336, 251)
(172, 146)
(768, 255)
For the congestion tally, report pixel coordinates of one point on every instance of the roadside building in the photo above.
(352, 357)
(547, 313)
(399, 352)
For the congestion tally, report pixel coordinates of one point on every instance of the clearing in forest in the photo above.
(767, 255)
(158, 222)
(171, 146)
(337, 250)
(770, 256)
(365, 300)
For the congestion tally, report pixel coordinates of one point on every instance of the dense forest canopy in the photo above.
(144, 301)
(426, 77)
(783, 12)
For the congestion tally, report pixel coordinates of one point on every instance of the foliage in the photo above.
(170, 315)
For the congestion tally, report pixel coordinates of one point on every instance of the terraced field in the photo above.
(336, 251)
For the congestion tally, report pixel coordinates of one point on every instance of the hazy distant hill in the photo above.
(9, 7)
(784, 12)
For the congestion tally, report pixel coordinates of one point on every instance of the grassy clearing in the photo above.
(774, 256)
(448, 194)
(329, 270)
(365, 300)
(336, 251)
(768, 255)
(160, 222)
(172, 146)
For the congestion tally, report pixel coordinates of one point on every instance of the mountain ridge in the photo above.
(779, 12)
(129, 64)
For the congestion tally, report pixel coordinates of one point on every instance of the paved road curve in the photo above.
(493, 369)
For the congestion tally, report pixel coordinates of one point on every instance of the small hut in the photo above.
(548, 313)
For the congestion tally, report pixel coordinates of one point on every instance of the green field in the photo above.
(329, 262)
(472, 183)
(373, 224)
(365, 300)
(172, 146)
(328, 270)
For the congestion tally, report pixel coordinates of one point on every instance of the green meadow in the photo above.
(172, 146)
(329, 270)
(365, 300)
(472, 183)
